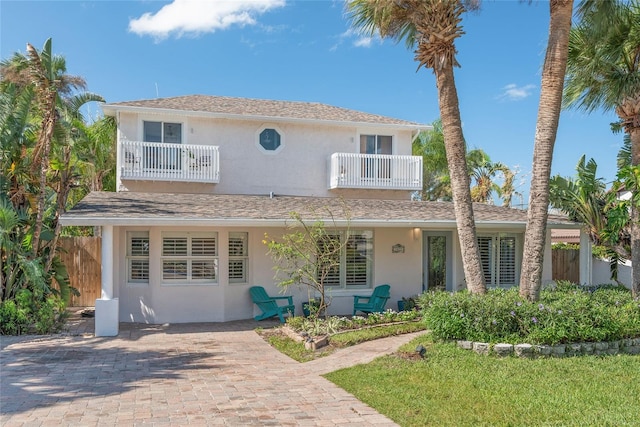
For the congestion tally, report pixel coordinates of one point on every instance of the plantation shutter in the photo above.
(138, 256)
(238, 253)
(485, 244)
(357, 261)
(187, 258)
(174, 246)
(330, 243)
(203, 247)
(507, 269)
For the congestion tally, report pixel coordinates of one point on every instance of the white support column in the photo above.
(586, 259)
(107, 307)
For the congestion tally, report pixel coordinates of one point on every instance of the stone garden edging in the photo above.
(624, 346)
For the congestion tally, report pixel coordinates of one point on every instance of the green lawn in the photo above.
(454, 387)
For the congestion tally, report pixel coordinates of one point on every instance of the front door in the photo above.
(437, 261)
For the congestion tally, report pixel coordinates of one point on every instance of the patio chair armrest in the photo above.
(356, 298)
(288, 298)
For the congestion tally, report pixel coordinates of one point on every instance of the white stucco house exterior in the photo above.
(201, 179)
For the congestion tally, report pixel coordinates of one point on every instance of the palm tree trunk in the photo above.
(634, 134)
(43, 147)
(64, 186)
(555, 65)
(460, 184)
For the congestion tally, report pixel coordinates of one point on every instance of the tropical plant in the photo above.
(604, 74)
(582, 198)
(309, 255)
(432, 26)
(54, 92)
(549, 106)
(40, 125)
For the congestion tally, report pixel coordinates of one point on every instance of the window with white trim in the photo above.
(498, 258)
(355, 263)
(189, 257)
(270, 139)
(375, 166)
(160, 156)
(238, 256)
(138, 257)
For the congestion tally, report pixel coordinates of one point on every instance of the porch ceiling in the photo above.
(130, 208)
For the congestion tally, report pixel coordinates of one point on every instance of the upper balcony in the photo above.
(375, 171)
(157, 161)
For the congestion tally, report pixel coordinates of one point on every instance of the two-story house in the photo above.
(201, 179)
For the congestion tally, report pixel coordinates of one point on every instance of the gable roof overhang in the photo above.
(260, 110)
(210, 210)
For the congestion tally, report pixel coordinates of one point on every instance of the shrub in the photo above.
(29, 313)
(565, 313)
(332, 324)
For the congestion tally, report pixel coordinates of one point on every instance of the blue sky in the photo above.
(305, 51)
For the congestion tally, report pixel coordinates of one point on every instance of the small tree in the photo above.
(309, 255)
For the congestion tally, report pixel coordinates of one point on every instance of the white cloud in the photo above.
(363, 41)
(194, 17)
(513, 92)
(358, 39)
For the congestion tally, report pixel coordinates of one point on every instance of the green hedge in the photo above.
(564, 314)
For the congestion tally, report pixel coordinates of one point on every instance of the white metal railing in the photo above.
(375, 171)
(169, 162)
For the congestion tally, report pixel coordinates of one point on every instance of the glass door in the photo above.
(376, 144)
(437, 261)
(158, 157)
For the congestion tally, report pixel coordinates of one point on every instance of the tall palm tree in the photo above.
(549, 108)
(604, 73)
(432, 26)
(46, 74)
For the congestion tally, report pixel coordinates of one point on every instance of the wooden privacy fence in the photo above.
(81, 256)
(566, 264)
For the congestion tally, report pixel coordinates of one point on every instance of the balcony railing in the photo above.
(375, 171)
(169, 162)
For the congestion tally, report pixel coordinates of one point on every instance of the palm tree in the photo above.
(436, 184)
(582, 198)
(45, 73)
(484, 175)
(604, 73)
(549, 107)
(433, 26)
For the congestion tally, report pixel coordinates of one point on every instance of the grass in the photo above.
(296, 350)
(454, 387)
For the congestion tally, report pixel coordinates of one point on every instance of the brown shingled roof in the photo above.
(128, 208)
(228, 106)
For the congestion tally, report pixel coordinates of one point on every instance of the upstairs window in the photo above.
(158, 156)
(375, 167)
(169, 133)
(269, 139)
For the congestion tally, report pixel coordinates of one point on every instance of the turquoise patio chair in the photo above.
(374, 303)
(269, 305)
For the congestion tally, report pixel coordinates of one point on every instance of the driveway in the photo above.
(181, 374)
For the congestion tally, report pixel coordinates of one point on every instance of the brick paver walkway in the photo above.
(189, 374)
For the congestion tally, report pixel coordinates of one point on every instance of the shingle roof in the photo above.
(129, 208)
(247, 107)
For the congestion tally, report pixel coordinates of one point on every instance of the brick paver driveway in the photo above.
(192, 374)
